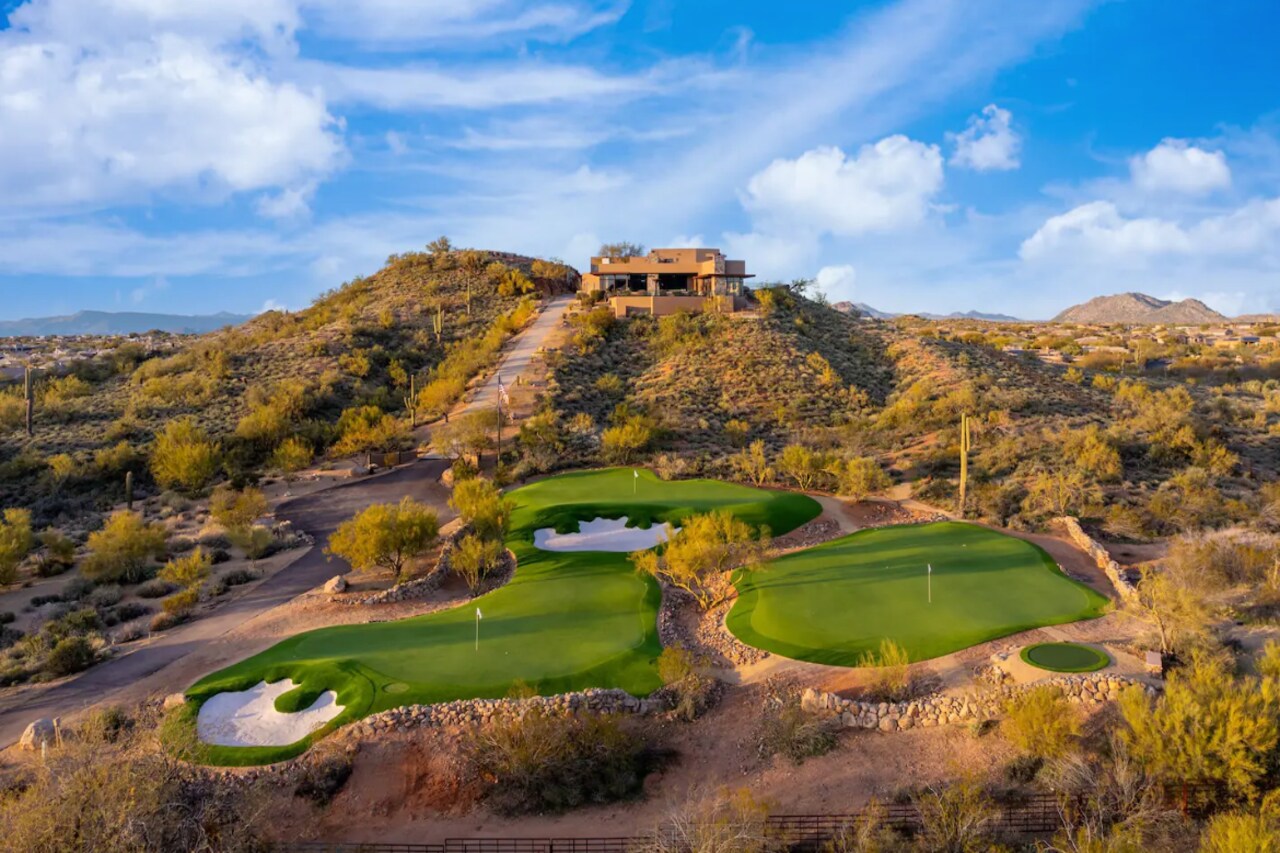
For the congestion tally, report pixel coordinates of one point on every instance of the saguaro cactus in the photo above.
(128, 490)
(468, 297)
(30, 389)
(964, 460)
(437, 322)
(411, 402)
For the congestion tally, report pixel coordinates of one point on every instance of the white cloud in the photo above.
(91, 121)
(1176, 166)
(272, 305)
(1098, 231)
(837, 281)
(885, 186)
(989, 143)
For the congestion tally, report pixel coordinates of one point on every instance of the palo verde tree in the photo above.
(481, 504)
(698, 557)
(385, 536)
(16, 541)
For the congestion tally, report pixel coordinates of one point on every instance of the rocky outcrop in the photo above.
(1124, 587)
(681, 623)
(41, 733)
(478, 711)
(937, 710)
(336, 584)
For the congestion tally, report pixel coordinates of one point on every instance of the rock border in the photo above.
(938, 709)
(1101, 557)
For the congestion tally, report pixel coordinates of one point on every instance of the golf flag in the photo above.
(479, 615)
(503, 398)
(930, 568)
(930, 576)
(635, 480)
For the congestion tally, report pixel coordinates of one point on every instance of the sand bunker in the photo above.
(602, 534)
(250, 718)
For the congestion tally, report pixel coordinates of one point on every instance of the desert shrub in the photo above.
(385, 536)
(7, 617)
(256, 541)
(292, 455)
(626, 441)
(16, 541)
(481, 504)
(1243, 832)
(239, 577)
(323, 779)
(69, 656)
(184, 457)
(187, 572)
(76, 589)
(366, 429)
(154, 588)
(890, 677)
(473, 558)
(237, 510)
(104, 596)
(870, 833)
(120, 551)
(539, 762)
(1041, 722)
(164, 620)
(129, 611)
(181, 602)
(682, 674)
(721, 822)
(787, 729)
(957, 818)
(802, 465)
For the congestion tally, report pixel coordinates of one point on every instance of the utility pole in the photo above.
(964, 460)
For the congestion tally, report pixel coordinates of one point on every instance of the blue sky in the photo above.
(937, 155)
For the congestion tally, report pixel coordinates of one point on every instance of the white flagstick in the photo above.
(931, 583)
(635, 480)
(479, 616)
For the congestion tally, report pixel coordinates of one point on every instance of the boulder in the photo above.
(41, 732)
(174, 700)
(336, 584)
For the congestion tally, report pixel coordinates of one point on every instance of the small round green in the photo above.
(1064, 657)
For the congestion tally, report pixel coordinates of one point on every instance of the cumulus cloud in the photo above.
(1099, 231)
(989, 143)
(91, 121)
(883, 187)
(837, 281)
(1177, 166)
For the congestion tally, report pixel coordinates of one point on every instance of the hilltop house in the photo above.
(667, 281)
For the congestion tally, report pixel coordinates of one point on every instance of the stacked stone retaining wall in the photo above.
(1101, 557)
(937, 709)
(477, 711)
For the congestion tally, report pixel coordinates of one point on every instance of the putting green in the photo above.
(566, 620)
(833, 603)
(1064, 657)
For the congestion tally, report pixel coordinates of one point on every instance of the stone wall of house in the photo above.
(937, 709)
(1113, 571)
(478, 711)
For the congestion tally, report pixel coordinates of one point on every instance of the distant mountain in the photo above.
(1139, 308)
(119, 323)
(867, 310)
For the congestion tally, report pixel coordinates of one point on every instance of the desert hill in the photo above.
(875, 314)
(280, 376)
(1139, 308)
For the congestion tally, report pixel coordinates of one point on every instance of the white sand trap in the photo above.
(250, 718)
(602, 534)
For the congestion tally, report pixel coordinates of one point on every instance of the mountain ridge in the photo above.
(1139, 308)
(119, 323)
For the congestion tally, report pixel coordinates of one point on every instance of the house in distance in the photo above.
(667, 281)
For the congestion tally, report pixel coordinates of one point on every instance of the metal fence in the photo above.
(1031, 815)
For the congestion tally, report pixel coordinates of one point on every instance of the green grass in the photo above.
(833, 603)
(1064, 657)
(566, 621)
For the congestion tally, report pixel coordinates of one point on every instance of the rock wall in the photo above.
(476, 711)
(705, 634)
(1113, 571)
(936, 710)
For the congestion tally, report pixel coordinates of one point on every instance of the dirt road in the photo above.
(519, 354)
(318, 514)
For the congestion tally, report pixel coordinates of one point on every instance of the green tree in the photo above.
(621, 249)
(184, 457)
(623, 443)
(801, 464)
(1244, 832)
(16, 542)
(1173, 608)
(859, 477)
(1207, 727)
(698, 556)
(481, 504)
(385, 536)
(292, 455)
(473, 558)
(121, 550)
(753, 463)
